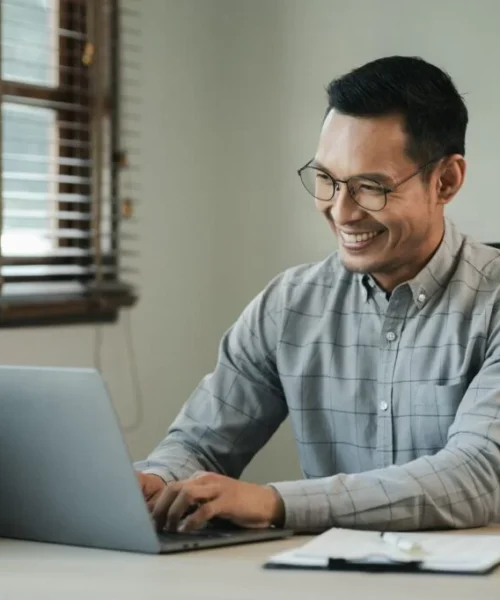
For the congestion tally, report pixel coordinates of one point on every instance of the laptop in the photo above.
(65, 473)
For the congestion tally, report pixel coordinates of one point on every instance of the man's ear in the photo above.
(451, 178)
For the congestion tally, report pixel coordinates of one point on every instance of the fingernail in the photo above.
(182, 527)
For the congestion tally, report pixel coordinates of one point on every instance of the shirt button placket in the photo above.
(384, 428)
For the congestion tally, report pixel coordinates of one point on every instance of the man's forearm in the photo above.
(454, 488)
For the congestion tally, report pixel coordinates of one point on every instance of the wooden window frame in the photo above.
(102, 296)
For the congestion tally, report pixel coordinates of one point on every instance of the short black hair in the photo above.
(434, 113)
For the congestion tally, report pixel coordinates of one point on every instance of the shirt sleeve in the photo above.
(458, 487)
(235, 409)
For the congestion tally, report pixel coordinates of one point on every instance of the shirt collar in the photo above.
(368, 285)
(434, 276)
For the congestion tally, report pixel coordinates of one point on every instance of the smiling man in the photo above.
(385, 356)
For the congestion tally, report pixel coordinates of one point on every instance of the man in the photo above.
(386, 355)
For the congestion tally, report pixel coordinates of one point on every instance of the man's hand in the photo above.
(209, 495)
(152, 487)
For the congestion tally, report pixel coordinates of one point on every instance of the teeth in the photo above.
(352, 238)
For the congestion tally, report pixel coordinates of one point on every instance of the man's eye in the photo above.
(323, 177)
(371, 188)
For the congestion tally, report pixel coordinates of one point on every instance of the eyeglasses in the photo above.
(367, 193)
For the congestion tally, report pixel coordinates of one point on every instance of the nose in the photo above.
(343, 209)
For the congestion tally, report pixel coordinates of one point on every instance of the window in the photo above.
(60, 213)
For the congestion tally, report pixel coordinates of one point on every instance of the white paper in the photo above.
(290, 558)
(352, 544)
(441, 551)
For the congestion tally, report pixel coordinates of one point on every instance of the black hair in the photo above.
(434, 113)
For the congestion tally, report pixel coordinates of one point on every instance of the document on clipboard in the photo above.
(349, 549)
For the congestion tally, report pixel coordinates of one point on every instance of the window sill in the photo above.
(98, 306)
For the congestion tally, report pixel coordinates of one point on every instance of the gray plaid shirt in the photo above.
(394, 403)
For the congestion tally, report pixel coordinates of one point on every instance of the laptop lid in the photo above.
(65, 472)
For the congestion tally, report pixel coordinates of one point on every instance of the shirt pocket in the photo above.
(433, 411)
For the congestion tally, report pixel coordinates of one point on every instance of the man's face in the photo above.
(408, 230)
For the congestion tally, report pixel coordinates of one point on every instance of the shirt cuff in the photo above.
(305, 506)
(163, 473)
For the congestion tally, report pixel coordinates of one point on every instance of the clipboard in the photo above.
(352, 550)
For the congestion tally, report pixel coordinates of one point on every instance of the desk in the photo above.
(45, 571)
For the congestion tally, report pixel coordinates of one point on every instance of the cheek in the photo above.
(323, 207)
(399, 230)
(405, 218)
(408, 231)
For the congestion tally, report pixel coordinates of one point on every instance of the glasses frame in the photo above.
(386, 190)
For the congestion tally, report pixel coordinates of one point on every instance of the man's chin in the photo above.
(358, 264)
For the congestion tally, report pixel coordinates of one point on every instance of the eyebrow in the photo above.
(376, 176)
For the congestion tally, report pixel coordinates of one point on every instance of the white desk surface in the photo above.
(32, 570)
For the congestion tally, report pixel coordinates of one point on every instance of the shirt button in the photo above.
(384, 405)
(422, 298)
(390, 336)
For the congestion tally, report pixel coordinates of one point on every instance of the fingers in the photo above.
(151, 485)
(143, 484)
(209, 495)
(200, 516)
(178, 498)
(189, 497)
(161, 507)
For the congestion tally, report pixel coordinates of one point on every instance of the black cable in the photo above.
(134, 374)
(134, 371)
(98, 348)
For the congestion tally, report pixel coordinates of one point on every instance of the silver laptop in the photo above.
(65, 473)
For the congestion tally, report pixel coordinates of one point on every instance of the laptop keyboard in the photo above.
(210, 534)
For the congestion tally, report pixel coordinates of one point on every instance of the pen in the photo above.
(401, 543)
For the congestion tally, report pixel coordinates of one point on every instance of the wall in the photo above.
(232, 98)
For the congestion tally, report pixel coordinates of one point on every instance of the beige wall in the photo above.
(232, 94)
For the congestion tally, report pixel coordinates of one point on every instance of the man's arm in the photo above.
(236, 409)
(457, 487)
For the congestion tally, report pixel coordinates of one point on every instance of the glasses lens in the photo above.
(318, 183)
(368, 194)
